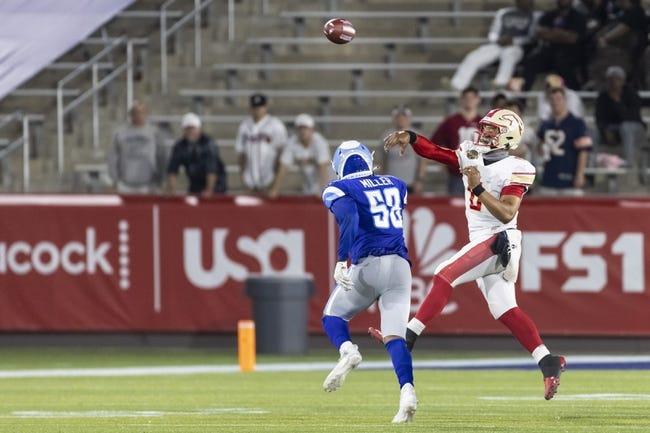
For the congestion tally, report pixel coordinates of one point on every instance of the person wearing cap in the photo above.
(136, 159)
(260, 140)
(197, 153)
(618, 117)
(574, 103)
(309, 151)
(407, 167)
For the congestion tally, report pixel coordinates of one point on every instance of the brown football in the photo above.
(339, 30)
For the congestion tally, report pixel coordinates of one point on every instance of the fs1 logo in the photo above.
(223, 268)
(593, 266)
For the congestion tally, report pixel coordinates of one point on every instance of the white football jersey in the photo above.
(494, 177)
(261, 142)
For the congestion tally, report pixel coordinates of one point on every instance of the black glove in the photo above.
(501, 248)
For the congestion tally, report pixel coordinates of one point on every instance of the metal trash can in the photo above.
(280, 311)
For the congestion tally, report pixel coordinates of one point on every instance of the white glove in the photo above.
(342, 276)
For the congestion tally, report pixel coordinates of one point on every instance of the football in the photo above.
(339, 31)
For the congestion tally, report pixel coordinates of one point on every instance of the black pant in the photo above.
(549, 60)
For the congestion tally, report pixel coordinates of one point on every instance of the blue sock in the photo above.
(336, 329)
(402, 361)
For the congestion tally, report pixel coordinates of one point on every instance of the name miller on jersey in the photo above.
(378, 181)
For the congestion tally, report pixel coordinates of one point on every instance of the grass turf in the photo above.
(450, 401)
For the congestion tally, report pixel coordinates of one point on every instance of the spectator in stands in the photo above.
(500, 100)
(559, 34)
(137, 156)
(260, 140)
(554, 81)
(624, 41)
(198, 154)
(565, 146)
(618, 116)
(510, 30)
(457, 128)
(408, 167)
(308, 150)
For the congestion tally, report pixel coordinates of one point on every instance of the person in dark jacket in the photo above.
(198, 155)
(618, 117)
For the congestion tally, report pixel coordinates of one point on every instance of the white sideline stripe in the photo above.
(131, 413)
(522, 362)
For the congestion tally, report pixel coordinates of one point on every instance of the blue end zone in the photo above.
(577, 362)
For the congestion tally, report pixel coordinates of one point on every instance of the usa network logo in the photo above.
(261, 248)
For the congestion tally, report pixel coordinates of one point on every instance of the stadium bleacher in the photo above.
(385, 66)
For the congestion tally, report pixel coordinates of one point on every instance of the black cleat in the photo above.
(552, 366)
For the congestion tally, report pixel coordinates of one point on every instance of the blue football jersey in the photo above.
(379, 201)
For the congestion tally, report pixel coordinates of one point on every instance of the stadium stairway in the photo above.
(339, 118)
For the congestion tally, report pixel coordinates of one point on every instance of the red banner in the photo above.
(106, 263)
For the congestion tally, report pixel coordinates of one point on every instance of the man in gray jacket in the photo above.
(137, 156)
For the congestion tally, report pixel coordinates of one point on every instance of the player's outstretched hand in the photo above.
(342, 276)
(400, 139)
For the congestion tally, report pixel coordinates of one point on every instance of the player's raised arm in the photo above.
(422, 146)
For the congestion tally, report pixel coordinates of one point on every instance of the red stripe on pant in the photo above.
(441, 288)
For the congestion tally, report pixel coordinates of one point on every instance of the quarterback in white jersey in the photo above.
(495, 184)
(507, 176)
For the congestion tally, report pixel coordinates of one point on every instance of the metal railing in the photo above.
(94, 65)
(21, 141)
(166, 32)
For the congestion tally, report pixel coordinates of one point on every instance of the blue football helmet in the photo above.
(352, 159)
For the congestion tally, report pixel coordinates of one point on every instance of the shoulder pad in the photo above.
(333, 192)
(523, 172)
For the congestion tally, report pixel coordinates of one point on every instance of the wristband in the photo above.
(478, 190)
(412, 137)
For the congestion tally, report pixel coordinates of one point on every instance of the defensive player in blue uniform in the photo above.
(368, 210)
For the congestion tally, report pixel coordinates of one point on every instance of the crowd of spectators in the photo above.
(595, 44)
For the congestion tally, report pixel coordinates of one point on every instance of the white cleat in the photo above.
(408, 404)
(350, 358)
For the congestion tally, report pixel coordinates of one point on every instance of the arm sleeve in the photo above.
(239, 141)
(113, 159)
(495, 28)
(211, 163)
(583, 142)
(347, 217)
(521, 178)
(174, 161)
(430, 150)
(286, 157)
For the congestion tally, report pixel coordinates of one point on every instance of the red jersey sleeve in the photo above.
(430, 150)
(514, 189)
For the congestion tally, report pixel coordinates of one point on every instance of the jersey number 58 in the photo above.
(385, 207)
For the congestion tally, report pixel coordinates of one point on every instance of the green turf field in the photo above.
(450, 401)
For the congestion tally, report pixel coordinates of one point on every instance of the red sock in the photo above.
(522, 328)
(435, 301)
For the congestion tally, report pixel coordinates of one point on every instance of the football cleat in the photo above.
(408, 404)
(348, 361)
(552, 366)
